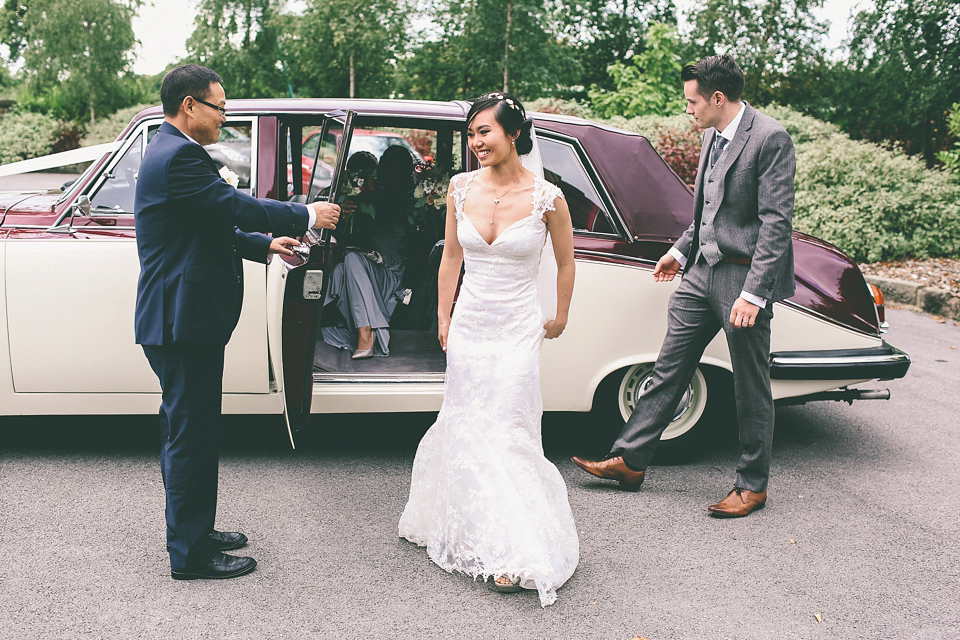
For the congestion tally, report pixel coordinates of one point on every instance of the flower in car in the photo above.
(356, 187)
(430, 198)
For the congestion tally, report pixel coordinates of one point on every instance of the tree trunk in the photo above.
(506, 48)
(353, 81)
(92, 114)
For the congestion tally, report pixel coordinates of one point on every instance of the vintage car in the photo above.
(68, 264)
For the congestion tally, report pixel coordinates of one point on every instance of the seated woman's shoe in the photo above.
(503, 584)
(364, 336)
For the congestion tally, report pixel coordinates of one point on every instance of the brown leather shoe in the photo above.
(612, 469)
(738, 503)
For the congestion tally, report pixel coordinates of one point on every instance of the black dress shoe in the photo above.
(218, 567)
(228, 540)
(225, 540)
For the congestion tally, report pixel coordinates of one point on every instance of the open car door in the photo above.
(297, 284)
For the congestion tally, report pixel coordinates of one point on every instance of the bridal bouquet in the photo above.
(357, 188)
(430, 197)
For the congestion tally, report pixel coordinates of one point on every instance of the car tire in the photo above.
(702, 403)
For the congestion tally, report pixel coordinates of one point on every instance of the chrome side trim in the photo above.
(839, 360)
(379, 378)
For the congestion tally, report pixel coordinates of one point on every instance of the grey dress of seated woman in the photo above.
(366, 287)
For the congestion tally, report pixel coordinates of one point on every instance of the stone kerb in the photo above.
(930, 299)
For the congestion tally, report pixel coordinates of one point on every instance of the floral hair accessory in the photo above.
(513, 104)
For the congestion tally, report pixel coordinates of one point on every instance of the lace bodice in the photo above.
(512, 259)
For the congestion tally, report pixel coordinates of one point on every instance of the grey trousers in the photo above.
(699, 308)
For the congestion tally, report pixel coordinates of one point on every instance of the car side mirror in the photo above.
(83, 205)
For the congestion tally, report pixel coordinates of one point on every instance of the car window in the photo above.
(562, 167)
(310, 145)
(117, 191)
(233, 150)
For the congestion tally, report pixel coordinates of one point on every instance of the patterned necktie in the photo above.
(719, 142)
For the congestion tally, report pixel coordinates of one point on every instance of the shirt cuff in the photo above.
(679, 257)
(752, 299)
(311, 217)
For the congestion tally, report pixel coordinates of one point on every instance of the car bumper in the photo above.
(881, 363)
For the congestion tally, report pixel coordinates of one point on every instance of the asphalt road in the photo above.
(859, 538)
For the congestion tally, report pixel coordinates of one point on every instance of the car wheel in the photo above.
(689, 410)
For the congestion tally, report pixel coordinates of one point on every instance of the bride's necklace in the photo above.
(496, 199)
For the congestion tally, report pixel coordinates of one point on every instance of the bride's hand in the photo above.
(443, 328)
(554, 328)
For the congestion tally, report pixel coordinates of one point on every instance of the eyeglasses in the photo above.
(223, 112)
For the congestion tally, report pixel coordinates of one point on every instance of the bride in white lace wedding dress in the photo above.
(483, 499)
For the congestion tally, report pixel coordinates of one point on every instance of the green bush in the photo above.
(951, 158)
(802, 128)
(109, 128)
(563, 107)
(27, 135)
(874, 203)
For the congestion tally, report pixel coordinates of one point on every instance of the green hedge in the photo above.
(109, 128)
(27, 135)
(874, 203)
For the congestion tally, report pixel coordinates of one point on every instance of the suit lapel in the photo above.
(704, 159)
(698, 192)
(735, 148)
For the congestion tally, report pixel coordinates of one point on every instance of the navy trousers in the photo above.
(191, 377)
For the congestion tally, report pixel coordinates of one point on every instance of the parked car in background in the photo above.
(375, 142)
(68, 264)
(232, 151)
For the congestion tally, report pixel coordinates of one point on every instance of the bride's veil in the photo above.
(547, 277)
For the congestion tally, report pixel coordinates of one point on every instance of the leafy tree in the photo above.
(648, 86)
(239, 40)
(904, 74)
(346, 48)
(485, 45)
(77, 51)
(773, 41)
(603, 32)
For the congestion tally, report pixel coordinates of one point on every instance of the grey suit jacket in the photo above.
(752, 207)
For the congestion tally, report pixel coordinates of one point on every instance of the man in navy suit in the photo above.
(193, 230)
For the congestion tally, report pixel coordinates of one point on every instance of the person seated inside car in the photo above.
(366, 287)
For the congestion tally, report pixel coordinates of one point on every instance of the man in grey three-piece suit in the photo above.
(738, 260)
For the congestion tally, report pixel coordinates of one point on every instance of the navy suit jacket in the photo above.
(189, 239)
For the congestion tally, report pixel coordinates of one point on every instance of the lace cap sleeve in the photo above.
(458, 188)
(545, 195)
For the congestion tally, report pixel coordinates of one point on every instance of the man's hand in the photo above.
(327, 215)
(667, 267)
(279, 245)
(744, 314)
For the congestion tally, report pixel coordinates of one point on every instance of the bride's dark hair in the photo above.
(510, 114)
